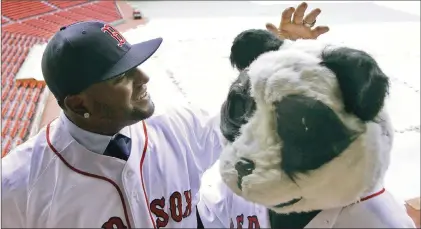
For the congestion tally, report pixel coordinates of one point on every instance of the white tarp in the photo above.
(31, 67)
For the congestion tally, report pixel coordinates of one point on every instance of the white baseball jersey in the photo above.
(51, 181)
(220, 208)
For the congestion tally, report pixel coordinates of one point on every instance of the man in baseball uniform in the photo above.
(106, 161)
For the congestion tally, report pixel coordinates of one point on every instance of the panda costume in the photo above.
(308, 140)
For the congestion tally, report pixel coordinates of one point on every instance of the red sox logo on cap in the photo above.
(114, 34)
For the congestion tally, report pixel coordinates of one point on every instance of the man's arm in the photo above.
(205, 139)
(215, 200)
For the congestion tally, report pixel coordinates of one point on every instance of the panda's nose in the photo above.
(244, 168)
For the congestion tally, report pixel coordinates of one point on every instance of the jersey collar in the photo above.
(96, 143)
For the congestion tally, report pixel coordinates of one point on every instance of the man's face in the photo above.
(123, 99)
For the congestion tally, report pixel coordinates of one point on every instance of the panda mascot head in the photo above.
(305, 124)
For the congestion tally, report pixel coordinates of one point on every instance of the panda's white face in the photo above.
(317, 136)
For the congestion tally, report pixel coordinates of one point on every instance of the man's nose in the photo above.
(140, 77)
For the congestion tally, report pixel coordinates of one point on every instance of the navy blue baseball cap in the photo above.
(89, 52)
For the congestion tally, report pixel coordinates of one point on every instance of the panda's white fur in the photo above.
(295, 69)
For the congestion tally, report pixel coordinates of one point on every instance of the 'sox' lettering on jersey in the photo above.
(253, 222)
(240, 220)
(177, 210)
(114, 223)
(114, 34)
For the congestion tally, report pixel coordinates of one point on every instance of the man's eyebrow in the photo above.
(119, 76)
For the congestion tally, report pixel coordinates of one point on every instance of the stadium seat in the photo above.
(73, 16)
(5, 128)
(43, 25)
(20, 95)
(15, 128)
(13, 93)
(24, 130)
(66, 4)
(5, 108)
(23, 9)
(14, 109)
(92, 14)
(31, 111)
(6, 147)
(55, 19)
(22, 110)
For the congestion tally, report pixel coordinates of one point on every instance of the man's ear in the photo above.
(311, 133)
(74, 103)
(363, 85)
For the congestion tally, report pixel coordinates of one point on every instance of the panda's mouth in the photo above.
(289, 203)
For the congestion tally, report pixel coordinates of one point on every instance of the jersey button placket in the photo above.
(128, 184)
(135, 194)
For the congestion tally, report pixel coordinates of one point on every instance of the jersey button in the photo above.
(129, 173)
(136, 196)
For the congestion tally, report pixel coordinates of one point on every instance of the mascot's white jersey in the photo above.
(219, 207)
(51, 181)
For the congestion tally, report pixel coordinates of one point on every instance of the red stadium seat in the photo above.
(66, 4)
(5, 108)
(5, 128)
(22, 111)
(29, 96)
(32, 84)
(13, 92)
(14, 109)
(55, 19)
(36, 95)
(31, 111)
(22, 9)
(21, 92)
(15, 128)
(98, 15)
(24, 130)
(6, 148)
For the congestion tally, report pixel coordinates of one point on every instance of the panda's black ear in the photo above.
(363, 85)
(250, 44)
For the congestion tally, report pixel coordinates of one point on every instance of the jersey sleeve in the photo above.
(14, 181)
(215, 200)
(205, 140)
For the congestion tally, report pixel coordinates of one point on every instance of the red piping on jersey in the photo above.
(126, 215)
(145, 147)
(373, 195)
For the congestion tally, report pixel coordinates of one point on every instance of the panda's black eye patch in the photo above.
(311, 133)
(237, 108)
